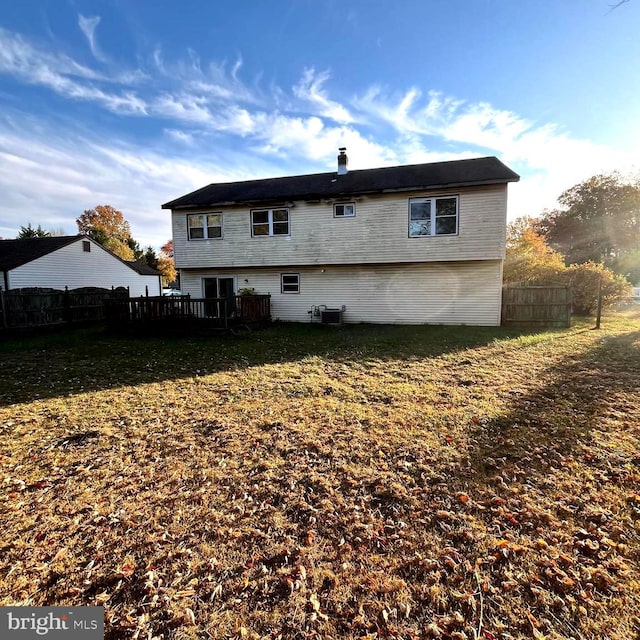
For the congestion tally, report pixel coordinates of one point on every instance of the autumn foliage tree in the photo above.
(167, 249)
(108, 227)
(597, 221)
(529, 258)
(165, 264)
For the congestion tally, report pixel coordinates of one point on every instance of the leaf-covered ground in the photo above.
(305, 482)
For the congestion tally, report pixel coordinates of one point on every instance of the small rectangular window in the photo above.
(345, 210)
(204, 226)
(290, 283)
(86, 246)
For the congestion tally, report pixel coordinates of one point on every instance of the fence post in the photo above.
(3, 309)
(66, 306)
(599, 312)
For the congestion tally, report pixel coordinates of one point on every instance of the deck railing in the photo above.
(186, 313)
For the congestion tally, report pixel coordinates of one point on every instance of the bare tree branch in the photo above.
(613, 7)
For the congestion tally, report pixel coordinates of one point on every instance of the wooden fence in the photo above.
(40, 307)
(185, 315)
(542, 306)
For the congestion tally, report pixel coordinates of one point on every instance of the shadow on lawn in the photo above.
(65, 363)
(550, 422)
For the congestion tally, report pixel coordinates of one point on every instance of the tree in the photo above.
(598, 221)
(585, 279)
(149, 257)
(138, 253)
(529, 258)
(165, 264)
(628, 265)
(30, 232)
(108, 227)
(166, 268)
(167, 249)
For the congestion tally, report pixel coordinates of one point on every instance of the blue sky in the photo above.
(135, 102)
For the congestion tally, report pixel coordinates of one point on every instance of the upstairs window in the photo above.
(344, 210)
(270, 222)
(86, 246)
(433, 216)
(204, 226)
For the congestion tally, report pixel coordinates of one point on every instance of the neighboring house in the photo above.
(73, 262)
(409, 244)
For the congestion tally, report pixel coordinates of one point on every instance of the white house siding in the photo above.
(420, 293)
(377, 234)
(71, 266)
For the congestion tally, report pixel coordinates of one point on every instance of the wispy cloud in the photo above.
(59, 176)
(64, 75)
(21, 58)
(310, 89)
(212, 124)
(551, 159)
(180, 136)
(88, 25)
(217, 81)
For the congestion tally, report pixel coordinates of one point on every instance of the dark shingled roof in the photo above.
(436, 175)
(142, 268)
(15, 253)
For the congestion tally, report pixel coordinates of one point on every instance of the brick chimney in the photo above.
(343, 161)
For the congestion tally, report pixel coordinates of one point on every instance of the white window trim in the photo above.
(270, 222)
(205, 226)
(432, 224)
(287, 293)
(344, 204)
(218, 277)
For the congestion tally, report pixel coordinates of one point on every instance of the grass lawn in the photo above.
(311, 482)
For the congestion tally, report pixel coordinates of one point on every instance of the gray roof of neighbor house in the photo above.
(142, 268)
(15, 253)
(435, 175)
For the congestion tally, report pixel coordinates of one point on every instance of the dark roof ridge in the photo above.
(467, 172)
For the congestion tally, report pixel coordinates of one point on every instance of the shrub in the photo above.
(584, 278)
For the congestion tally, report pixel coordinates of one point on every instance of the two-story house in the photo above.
(408, 244)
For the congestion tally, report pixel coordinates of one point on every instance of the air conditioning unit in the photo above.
(331, 316)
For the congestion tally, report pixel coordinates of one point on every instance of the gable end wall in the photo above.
(72, 267)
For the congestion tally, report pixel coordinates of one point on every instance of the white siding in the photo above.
(72, 267)
(432, 293)
(377, 234)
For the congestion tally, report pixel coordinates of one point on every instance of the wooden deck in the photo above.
(185, 315)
